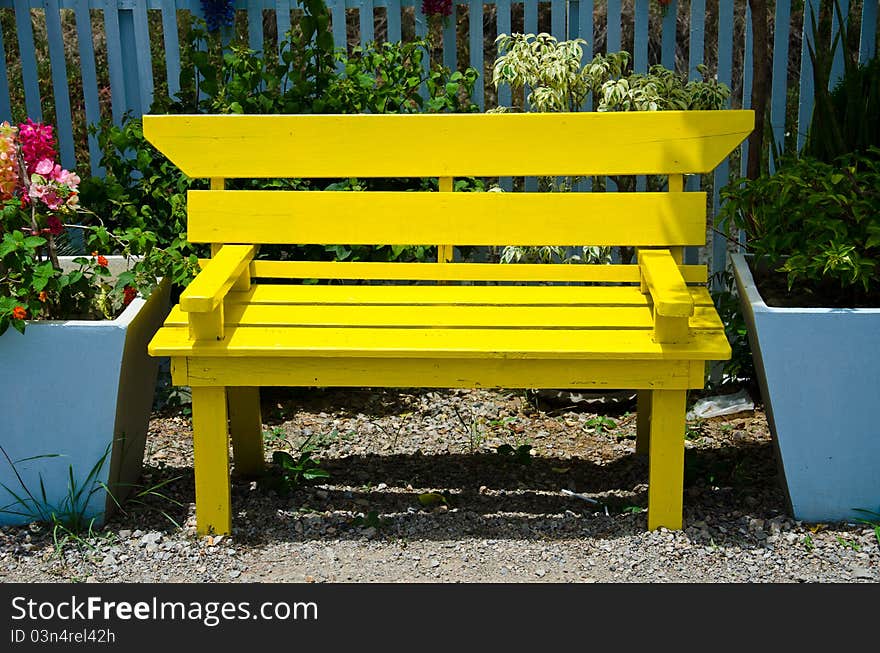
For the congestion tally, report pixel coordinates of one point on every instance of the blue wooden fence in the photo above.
(118, 73)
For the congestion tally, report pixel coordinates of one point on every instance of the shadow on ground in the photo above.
(485, 495)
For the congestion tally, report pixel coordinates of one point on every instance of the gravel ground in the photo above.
(419, 492)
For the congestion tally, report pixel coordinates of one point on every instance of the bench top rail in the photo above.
(448, 145)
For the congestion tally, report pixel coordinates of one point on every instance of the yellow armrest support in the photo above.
(209, 288)
(665, 283)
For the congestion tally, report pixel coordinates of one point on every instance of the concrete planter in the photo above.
(818, 373)
(76, 390)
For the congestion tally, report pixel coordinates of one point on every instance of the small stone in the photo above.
(322, 494)
(540, 573)
(235, 573)
(124, 534)
(108, 561)
(151, 538)
(862, 573)
(435, 564)
(756, 525)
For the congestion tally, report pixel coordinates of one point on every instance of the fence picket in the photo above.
(89, 80)
(640, 36)
(5, 104)
(282, 19)
(365, 22)
(144, 57)
(475, 29)
(421, 27)
(172, 45)
(612, 27)
(557, 19)
(667, 46)
(28, 54)
(868, 32)
(837, 66)
(393, 20)
(779, 85)
(747, 83)
(722, 172)
(805, 97)
(114, 61)
(255, 25)
(450, 56)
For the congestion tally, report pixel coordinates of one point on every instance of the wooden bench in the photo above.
(649, 326)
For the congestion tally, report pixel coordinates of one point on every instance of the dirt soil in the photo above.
(457, 486)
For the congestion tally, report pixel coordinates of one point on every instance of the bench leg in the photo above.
(666, 459)
(246, 429)
(211, 454)
(643, 421)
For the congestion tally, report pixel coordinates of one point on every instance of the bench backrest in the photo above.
(446, 146)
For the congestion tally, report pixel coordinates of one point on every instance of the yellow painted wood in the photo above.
(643, 421)
(280, 342)
(448, 145)
(445, 253)
(666, 459)
(676, 183)
(206, 326)
(179, 370)
(436, 373)
(692, 274)
(218, 183)
(207, 290)
(246, 429)
(670, 329)
(405, 218)
(534, 317)
(698, 373)
(461, 295)
(670, 294)
(211, 456)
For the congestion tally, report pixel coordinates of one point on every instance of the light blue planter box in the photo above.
(819, 373)
(77, 389)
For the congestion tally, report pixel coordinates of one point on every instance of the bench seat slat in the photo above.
(536, 317)
(442, 343)
(410, 295)
(458, 271)
(403, 218)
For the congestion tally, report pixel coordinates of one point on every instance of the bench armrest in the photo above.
(673, 304)
(211, 285)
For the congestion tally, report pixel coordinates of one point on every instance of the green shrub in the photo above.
(818, 224)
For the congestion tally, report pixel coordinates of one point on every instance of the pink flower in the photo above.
(45, 167)
(37, 143)
(69, 179)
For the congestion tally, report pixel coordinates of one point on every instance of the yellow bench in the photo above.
(649, 325)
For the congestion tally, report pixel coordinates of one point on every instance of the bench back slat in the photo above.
(448, 145)
(404, 218)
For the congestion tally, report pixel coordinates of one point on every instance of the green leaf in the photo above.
(432, 499)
